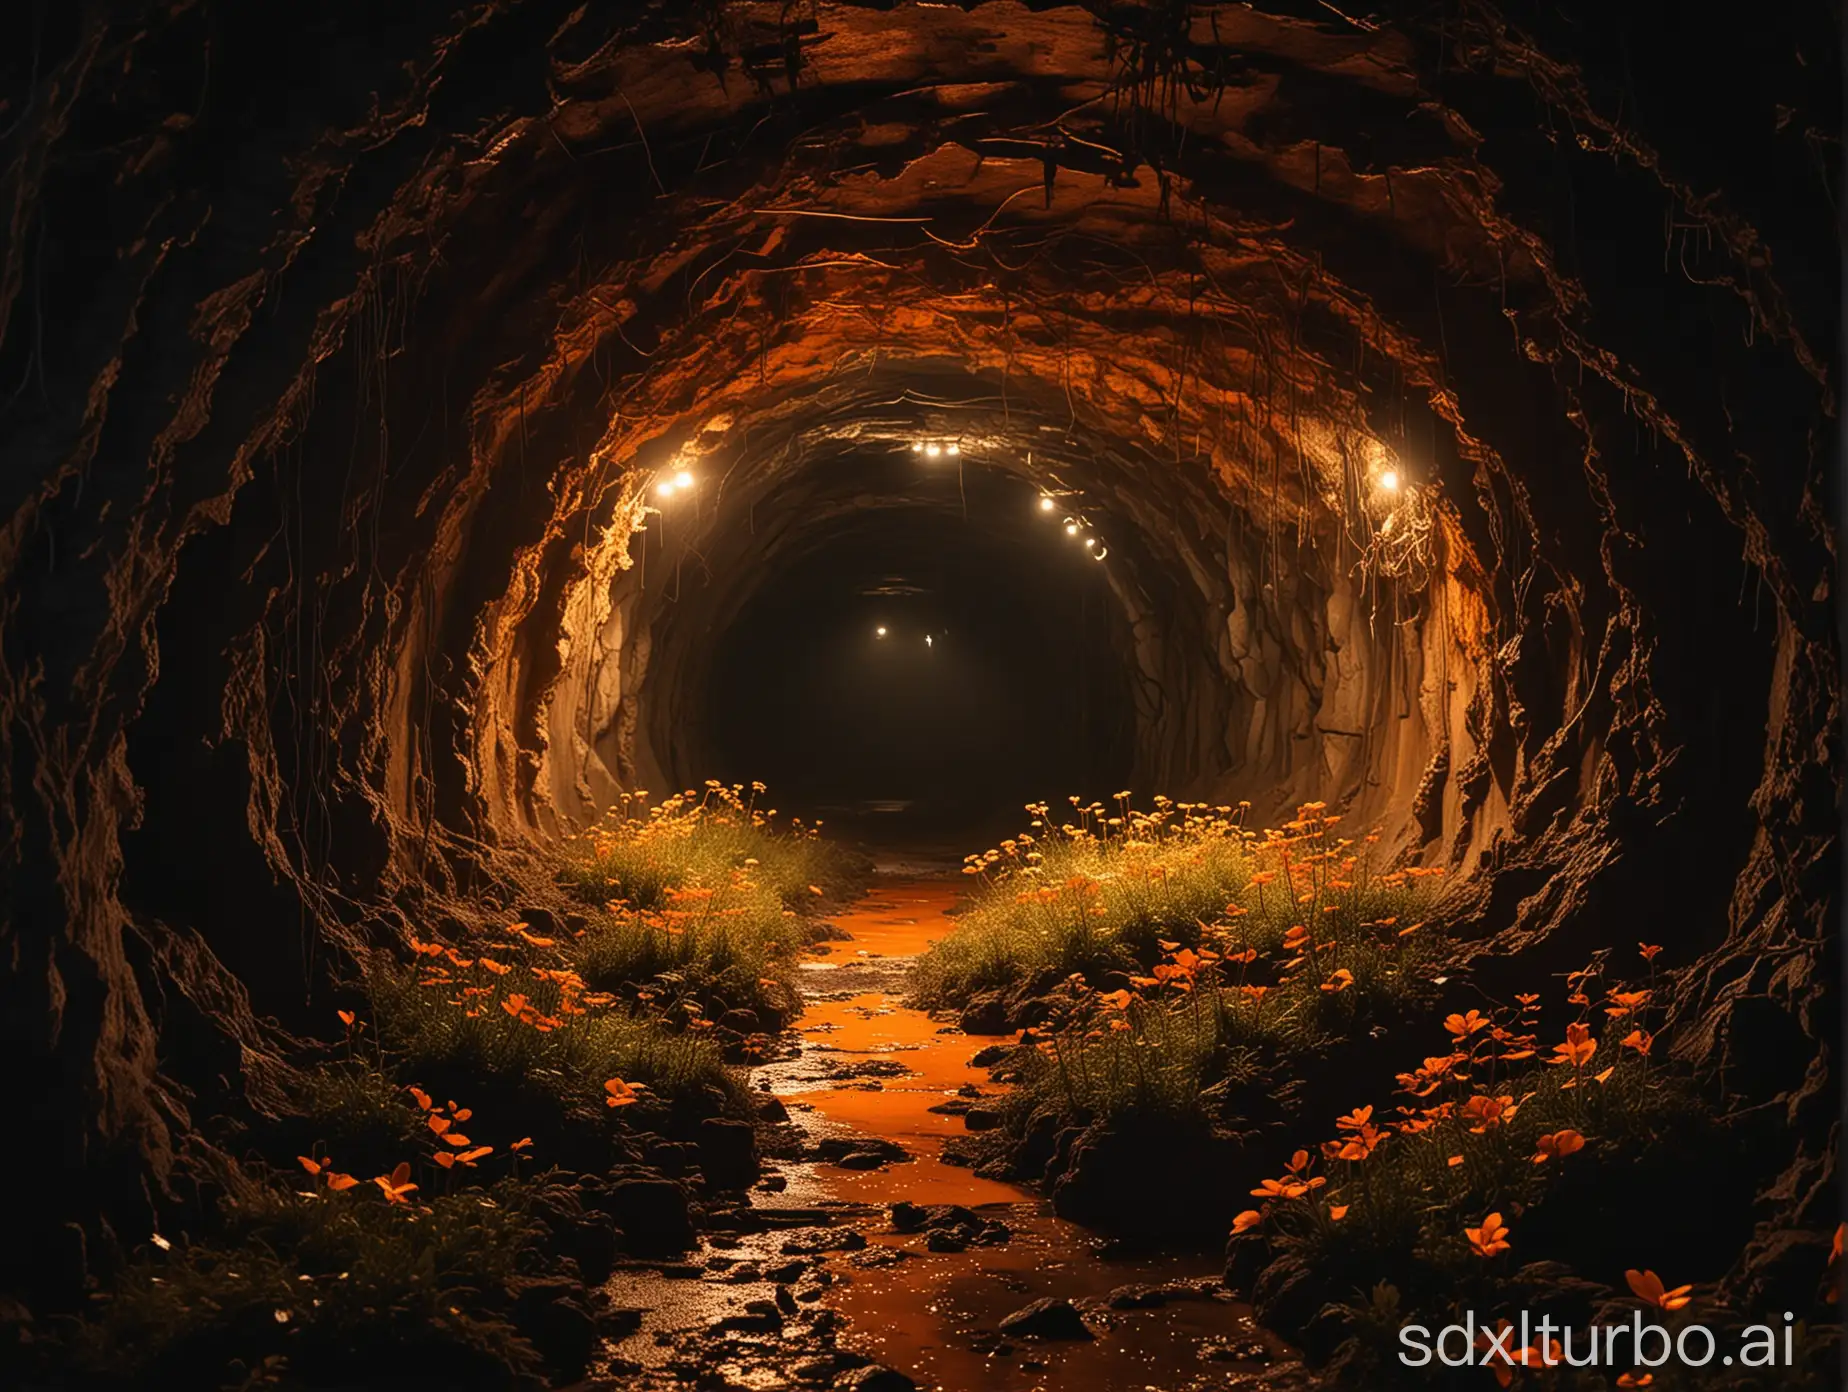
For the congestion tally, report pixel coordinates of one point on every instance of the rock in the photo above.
(541, 923)
(786, 1274)
(1048, 1318)
(985, 1014)
(588, 1242)
(993, 1234)
(758, 1317)
(743, 1020)
(956, 1106)
(874, 1377)
(846, 1240)
(744, 1273)
(981, 1118)
(990, 1056)
(674, 1158)
(554, 1316)
(652, 1214)
(909, 1217)
(1108, 1179)
(1136, 1297)
(727, 1153)
(772, 1109)
(576, 923)
(946, 1240)
(837, 1149)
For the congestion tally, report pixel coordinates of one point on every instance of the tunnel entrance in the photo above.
(925, 664)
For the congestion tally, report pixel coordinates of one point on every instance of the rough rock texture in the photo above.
(337, 360)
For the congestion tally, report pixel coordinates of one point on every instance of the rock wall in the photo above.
(336, 359)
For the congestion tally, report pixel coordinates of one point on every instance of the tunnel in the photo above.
(927, 410)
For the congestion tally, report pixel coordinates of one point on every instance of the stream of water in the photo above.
(871, 1066)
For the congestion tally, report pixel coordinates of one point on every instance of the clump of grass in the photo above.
(1114, 891)
(1231, 953)
(638, 854)
(1481, 1172)
(712, 949)
(538, 1044)
(324, 1289)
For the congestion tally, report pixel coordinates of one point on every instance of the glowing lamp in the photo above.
(1045, 504)
(933, 450)
(1390, 481)
(683, 479)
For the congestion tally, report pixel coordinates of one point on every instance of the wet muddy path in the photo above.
(871, 1069)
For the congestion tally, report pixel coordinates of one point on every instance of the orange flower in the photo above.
(1281, 1189)
(1490, 1238)
(1340, 981)
(1488, 1111)
(346, 1017)
(438, 1124)
(468, 1158)
(1360, 1145)
(1578, 1048)
(1639, 1040)
(1623, 1002)
(1526, 1000)
(524, 1143)
(497, 968)
(1355, 1119)
(515, 1005)
(421, 1097)
(1247, 1220)
(1635, 1379)
(1648, 950)
(1648, 1288)
(340, 1183)
(1454, 1161)
(1337, 1212)
(1558, 1143)
(622, 1094)
(397, 1184)
(1116, 1000)
(1463, 1026)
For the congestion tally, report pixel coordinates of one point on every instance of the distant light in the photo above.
(927, 642)
(952, 449)
(1090, 541)
(666, 490)
(917, 447)
(1045, 504)
(683, 479)
(933, 450)
(1390, 481)
(1071, 529)
(879, 632)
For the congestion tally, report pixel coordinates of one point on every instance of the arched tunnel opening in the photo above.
(944, 654)
(1133, 657)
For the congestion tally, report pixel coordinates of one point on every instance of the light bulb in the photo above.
(1071, 529)
(927, 642)
(1090, 541)
(683, 479)
(917, 447)
(952, 449)
(1045, 504)
(933, 450)
(666, 490)
(880, 631)
(1390, 481)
